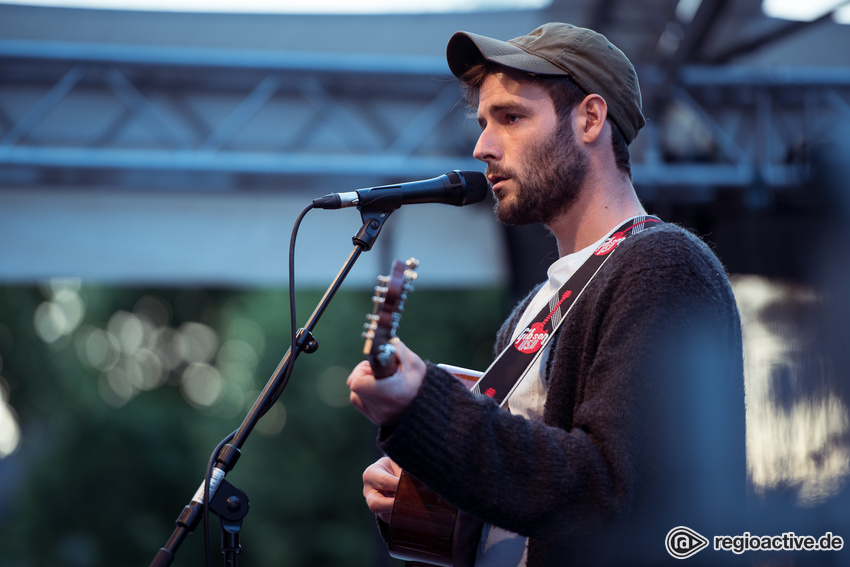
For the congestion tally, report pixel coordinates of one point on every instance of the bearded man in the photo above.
(625, 410)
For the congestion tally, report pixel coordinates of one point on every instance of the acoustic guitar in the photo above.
(424, 529)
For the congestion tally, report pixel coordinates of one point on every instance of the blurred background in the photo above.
(153, 159)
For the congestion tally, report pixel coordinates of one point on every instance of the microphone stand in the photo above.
(231, 504)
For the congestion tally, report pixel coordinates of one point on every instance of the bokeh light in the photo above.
(201, 384)
(10, 431)
(61, 313)
(331, 387)
(139, 351)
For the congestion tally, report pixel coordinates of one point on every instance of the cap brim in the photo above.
(467, 49)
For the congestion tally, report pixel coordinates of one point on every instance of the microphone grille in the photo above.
(474, 186)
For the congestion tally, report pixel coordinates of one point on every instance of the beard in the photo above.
(555, 170)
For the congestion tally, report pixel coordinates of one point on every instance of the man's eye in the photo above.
(512, 118)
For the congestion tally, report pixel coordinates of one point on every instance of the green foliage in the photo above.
(99, 479)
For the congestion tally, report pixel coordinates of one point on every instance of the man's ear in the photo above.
(592, 113)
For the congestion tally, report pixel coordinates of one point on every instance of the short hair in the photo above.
(565, 95)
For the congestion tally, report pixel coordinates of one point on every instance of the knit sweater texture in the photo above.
(643, 428)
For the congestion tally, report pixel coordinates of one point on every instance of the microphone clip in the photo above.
(373, 222)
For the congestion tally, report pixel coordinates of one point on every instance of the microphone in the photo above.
(457, 188)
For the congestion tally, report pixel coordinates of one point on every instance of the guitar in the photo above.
(424, 528)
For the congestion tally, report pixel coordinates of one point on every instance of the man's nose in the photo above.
(487, 148)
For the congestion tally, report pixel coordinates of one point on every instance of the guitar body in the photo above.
(424, 529)
(422, 524)
(427, 530)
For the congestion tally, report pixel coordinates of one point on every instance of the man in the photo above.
(630, 423)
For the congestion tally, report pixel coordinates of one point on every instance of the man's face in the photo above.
(534, 166)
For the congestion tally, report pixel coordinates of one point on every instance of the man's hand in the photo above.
(380, 482)
(384, 400)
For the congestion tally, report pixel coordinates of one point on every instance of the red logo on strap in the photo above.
(609, 244)
(532, 338)
(617, 238)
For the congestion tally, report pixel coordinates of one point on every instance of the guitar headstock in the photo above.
(382, 324)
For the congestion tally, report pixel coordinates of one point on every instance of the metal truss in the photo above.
(205, 119)
(744, 127)
(97, 110)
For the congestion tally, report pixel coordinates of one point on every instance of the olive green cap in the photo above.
(593, 62)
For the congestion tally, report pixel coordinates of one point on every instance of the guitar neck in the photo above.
(388, 304)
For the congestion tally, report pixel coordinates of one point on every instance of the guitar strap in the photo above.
(514, 362)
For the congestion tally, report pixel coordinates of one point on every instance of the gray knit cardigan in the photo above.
(643, 428)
